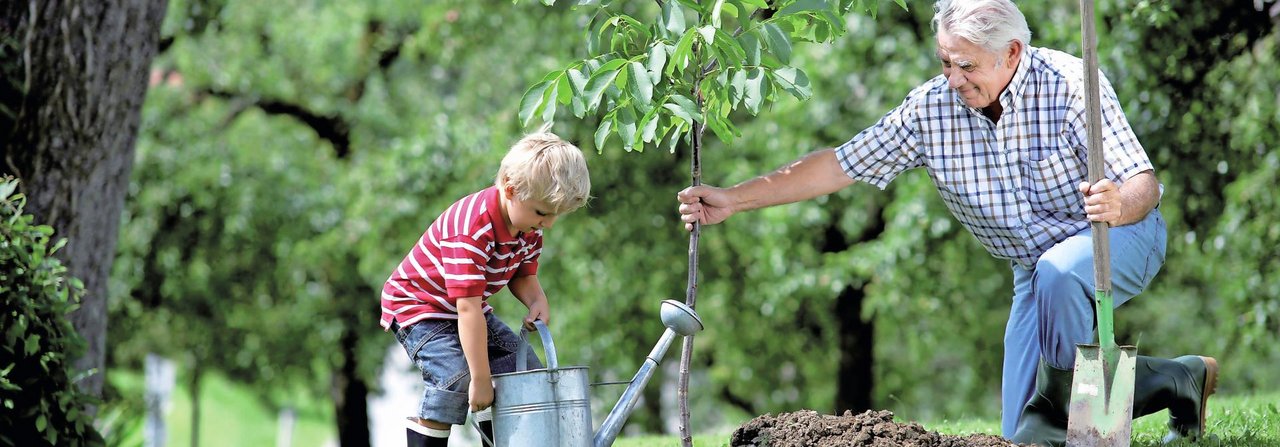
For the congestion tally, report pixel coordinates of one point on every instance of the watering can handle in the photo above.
(548, 346)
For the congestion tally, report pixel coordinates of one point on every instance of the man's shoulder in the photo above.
(933, 91)
(1056, 64)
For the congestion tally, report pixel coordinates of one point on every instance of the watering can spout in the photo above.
(679, 320)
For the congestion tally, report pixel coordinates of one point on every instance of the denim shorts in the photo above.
(433, 346)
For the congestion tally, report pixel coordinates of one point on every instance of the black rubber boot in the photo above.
(1044, 418)
(1182, 385)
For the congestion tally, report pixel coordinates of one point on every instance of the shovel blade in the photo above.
(1101, 398)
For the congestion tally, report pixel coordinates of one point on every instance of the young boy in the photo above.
(435, 301)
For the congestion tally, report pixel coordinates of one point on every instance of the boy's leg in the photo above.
(434, 347)
(424, 433)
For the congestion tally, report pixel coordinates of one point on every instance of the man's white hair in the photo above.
(990, 24)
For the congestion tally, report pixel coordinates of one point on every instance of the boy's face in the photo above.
(525, 216)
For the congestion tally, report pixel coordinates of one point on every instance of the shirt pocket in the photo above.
(1052, 182)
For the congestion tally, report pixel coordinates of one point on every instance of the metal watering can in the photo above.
(550, 407)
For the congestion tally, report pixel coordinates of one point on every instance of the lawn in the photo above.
(1234, 421)
(232, 415)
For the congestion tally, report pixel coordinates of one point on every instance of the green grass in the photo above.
(1234, 421)
(230, 415)
(233, 415)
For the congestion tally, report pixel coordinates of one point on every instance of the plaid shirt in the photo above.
(1013, 184)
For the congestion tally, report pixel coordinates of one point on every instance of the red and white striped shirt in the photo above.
(468, 251)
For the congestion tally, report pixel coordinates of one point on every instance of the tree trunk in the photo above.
(857, 340)
(197, 373)
(75, 80)
(350, 394)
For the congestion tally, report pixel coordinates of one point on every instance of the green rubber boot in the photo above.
(1044, 418)
(1182, 385)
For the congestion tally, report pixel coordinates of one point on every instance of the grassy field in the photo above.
(232, 415)
(1234, 421)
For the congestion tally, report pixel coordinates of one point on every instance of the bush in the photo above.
(39, 402)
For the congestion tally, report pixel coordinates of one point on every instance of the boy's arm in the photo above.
(473, 333)
(528, 290)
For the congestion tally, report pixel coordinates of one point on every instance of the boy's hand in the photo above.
(539, 309)
(481, 393)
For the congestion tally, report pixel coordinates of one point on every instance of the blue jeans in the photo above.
(1053, 304)
(433, 346)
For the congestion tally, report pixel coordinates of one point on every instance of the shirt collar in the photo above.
(1012, 93)
(500, 230)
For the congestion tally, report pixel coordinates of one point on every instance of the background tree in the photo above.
(76, 78)
(291, 151)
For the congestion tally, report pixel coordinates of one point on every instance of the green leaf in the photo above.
(33, 344)
(778, 42)
(680, 57)
(600, 81)
(721, 127)
(903, 4)
(757, 3)
(684, 108)
(737, 83)
(657, 61)
(626, 124)
(602, 132)
(549, 101)
(578, 81)
(564, 91)
(794, 81)
(7, 187)
(731, 53)
(715, 13)
(673, 17)
(751, 48)
(41, 423)
(672, 135)
(649, 125)
(708, 34)
(531, 102)
(802, 6)
(640, 85)
(753, 90)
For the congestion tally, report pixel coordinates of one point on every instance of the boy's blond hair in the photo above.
(542, 166)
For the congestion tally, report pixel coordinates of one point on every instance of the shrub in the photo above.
(39, 401)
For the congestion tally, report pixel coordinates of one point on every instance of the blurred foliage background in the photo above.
(291, 151)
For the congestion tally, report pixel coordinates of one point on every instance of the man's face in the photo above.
(973, 71)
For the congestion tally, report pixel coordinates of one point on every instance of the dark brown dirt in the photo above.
(807, 428)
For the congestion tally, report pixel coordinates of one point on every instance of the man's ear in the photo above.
(1012, 52)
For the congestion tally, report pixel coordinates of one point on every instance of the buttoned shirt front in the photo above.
(1013, 183)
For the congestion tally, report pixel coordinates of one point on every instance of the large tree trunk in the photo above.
(350, 395)
(75, 79)
(857, 342)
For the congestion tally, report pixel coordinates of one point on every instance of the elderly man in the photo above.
(1002, 134)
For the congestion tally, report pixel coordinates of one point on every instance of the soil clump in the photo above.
(808, 428)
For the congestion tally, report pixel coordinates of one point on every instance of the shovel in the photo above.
(1101, 412)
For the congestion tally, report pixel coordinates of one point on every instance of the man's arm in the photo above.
(816, 174)
(1128, 204)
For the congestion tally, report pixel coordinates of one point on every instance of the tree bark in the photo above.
(76, 78)
(855, 378)
(350, 394)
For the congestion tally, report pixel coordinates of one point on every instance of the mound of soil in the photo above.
(808, 428)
